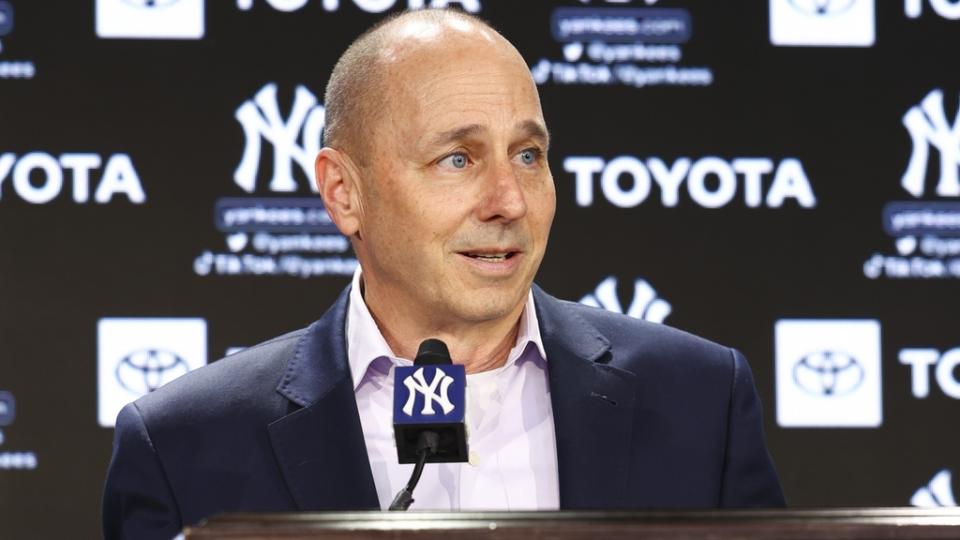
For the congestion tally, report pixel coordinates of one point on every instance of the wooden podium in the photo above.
(853, 524)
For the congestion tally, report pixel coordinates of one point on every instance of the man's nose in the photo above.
(503, 198)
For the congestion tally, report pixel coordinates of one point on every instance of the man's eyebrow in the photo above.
(530, 129)
(535, 130)
(455, 134)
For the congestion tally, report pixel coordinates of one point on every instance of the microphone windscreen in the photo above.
(432, 352)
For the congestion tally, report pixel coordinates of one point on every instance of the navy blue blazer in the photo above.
(646, 416)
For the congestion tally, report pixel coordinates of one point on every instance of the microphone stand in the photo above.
(427, 444)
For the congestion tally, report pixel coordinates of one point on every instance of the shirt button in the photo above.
(474, 458)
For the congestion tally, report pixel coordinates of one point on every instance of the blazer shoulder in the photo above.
(634, 342)
(232, 386)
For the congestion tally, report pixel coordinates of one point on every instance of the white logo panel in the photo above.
(830, 23)
(828, 373)
(138, 355)
(150, 19)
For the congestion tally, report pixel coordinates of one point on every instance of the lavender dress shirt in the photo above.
(513, 448)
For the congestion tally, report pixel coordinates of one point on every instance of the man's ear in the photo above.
(338, 181)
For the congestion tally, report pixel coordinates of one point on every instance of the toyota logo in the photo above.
(828, 373)
(822, 7)
(151, 3)
(145, 370)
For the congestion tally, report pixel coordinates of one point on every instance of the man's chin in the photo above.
(490, 304)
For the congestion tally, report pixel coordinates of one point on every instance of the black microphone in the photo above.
(432, 352)
(429, 412)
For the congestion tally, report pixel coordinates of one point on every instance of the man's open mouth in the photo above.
(489, 256)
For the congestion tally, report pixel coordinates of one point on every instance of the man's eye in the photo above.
(529, 156)
(457, 161)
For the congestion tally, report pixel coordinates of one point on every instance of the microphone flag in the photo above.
(430, 397)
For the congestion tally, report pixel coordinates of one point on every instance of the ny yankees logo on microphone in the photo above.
(426, 432)
(417, 384)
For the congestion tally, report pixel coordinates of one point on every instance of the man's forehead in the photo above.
(455, 79)
(453, 87)
(459, 112)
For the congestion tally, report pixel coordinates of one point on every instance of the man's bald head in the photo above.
(358, 90)
(449, 210)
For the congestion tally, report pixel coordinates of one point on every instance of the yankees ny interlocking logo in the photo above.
(261, 119)
(928, 126)
(646, 305)
(416, 383)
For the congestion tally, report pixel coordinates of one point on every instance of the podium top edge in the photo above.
(379, 520)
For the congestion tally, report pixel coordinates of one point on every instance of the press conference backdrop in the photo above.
(780, 176)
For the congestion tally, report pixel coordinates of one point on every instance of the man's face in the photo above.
(457, 195)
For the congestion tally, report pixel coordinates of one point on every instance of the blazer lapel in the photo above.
(320, 446)
(593, 406)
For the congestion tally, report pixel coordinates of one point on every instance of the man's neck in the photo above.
(479, 346)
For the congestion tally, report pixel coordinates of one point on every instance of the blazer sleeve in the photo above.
(137, 500)
(749, 477)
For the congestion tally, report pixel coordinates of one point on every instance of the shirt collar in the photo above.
(365, 343)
